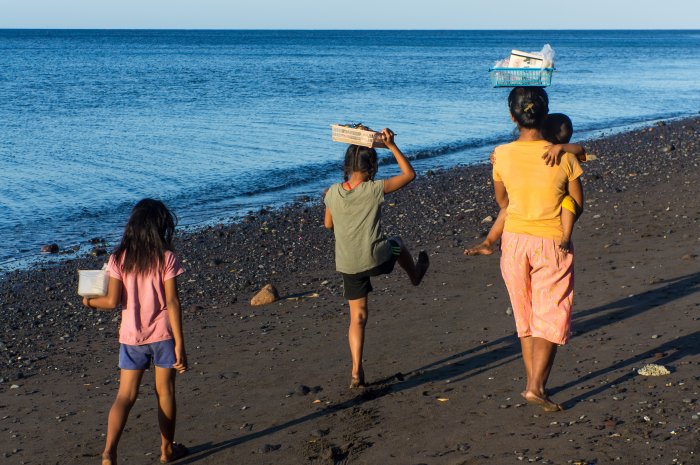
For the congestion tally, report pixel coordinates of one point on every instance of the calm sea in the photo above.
(218, 123)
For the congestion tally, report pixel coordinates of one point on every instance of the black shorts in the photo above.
(358, 285)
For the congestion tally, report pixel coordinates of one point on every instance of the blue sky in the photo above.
(376, 14)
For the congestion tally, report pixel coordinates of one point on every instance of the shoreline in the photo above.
(80, 249)
(637, 278)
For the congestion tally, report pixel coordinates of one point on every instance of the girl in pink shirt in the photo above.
(143, 273)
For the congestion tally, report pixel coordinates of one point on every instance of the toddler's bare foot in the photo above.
(480, 249)
(422, 265)
(109, 458)
(565, 246)
(541, 401)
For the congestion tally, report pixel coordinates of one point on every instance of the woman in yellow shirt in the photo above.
(538, 274)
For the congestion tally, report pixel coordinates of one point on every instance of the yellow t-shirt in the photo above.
(535, 190)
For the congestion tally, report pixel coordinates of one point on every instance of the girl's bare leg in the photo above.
(129, 381)
(167, 411)
(356, 336)
(415, 270)
(540, 353)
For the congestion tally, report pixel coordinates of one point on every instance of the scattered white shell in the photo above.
(653, 370)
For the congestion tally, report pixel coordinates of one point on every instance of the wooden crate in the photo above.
(357, 136)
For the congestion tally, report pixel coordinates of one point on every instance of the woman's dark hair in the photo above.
(557, 128)
(362, 159)
(147, 235)
(529, 106)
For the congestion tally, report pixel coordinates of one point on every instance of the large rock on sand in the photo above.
(266, 295)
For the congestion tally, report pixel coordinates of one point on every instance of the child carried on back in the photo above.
(558, 130)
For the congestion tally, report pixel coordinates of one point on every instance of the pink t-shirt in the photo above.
(145, 315)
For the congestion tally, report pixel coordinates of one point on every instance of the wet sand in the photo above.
(269, 385)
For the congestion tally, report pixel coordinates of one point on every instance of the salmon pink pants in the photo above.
(540, 282)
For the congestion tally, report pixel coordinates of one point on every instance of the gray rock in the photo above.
(50, 248)
(98, 252)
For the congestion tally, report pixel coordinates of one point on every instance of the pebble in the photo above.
(98, 252)
(509, 311)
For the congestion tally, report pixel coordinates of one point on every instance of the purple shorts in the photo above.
(139, 357)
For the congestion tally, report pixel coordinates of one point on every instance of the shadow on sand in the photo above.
(472, 362)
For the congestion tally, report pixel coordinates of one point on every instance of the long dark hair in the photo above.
(362, 159)
(147, 235)
(529, 106)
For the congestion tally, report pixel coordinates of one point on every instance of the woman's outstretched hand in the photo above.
(480, 249)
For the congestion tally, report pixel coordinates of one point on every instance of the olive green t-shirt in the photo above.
(359, 242)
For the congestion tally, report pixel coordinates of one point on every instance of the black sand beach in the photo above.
(269, 384)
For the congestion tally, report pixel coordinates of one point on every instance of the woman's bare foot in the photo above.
(109, 458)
(422, 265)
(479, 249)
(541, 401)
(176, 452)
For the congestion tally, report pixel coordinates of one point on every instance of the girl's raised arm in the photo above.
(407, 173)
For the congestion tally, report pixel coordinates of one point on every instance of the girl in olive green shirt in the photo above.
(353, 212)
